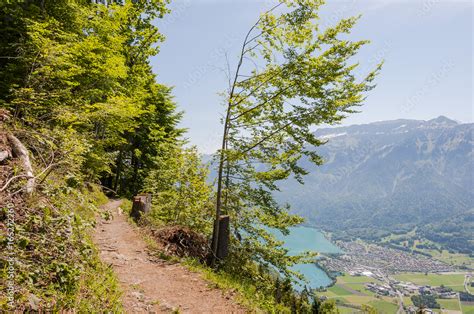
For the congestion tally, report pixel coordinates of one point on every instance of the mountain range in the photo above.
(391, 177)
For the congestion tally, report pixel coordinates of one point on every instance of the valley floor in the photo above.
(387, 279)
(352, 292)
(150, 284)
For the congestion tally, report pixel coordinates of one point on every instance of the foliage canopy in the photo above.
(291, 76)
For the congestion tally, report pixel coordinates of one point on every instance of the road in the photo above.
(401, 310)
(387, 280)
(467, 280)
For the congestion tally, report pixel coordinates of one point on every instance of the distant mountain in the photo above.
(392, 176)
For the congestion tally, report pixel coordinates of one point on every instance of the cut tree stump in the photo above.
(141, 205)
(224, 232)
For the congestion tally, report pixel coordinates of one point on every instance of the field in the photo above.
(350, 290)
(453, 281)
(384, 307)
(345, 310)
(455, 259)
(449, 304)
(452, 258)
(468, 307)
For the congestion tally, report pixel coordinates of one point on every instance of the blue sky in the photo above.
(426, 45)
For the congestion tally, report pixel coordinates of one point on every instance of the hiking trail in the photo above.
(152, 285)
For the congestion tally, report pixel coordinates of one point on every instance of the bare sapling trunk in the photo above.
(215, 235)
(224, 148)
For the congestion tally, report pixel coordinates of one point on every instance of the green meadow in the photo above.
(350, 291)
(453, 281)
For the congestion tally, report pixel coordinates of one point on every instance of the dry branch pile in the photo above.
(182, 242)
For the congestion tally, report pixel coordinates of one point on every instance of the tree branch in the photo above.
(265, 138)
(263, 103)
(11, 179)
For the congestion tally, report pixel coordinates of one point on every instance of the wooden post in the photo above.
(223, 240)
(147, 202)
(141, 205)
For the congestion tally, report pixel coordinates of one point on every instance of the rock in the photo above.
(138, 295)
(167, 307)
(34, 302)
(120, 257)
(4, 155)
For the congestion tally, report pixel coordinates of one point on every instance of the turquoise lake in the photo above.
(303, 239)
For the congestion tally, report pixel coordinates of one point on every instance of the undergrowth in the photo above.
(255, 286)
(56, 264)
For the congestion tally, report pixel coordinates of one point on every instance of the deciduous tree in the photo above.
(292, 75)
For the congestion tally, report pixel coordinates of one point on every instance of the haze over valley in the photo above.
(392, 177)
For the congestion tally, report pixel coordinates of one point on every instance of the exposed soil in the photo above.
(151, 285)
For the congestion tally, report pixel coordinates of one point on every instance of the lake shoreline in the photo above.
(308, 238)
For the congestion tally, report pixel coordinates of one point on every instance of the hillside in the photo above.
(105, 201)
(392, 176)
(82, 113)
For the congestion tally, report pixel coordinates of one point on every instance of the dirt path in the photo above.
(152, 286)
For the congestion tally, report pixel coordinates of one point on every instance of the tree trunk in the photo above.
(223, 242)
(119, 170)
(215, 237)
(136, 166)
(4, 155)
(215, 233)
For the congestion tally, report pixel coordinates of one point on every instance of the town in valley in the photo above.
(395, 281)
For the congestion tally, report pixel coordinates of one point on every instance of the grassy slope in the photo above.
(58, 266)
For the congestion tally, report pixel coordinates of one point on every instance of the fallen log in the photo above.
(19, 151)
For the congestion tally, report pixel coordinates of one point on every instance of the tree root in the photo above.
(19, 151)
